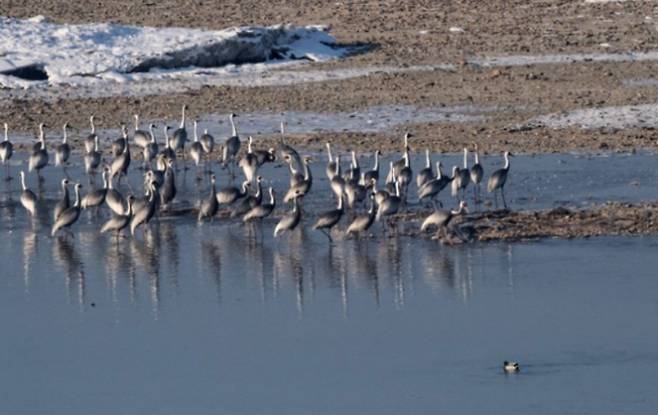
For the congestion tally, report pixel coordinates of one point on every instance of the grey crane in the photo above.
(248, 202)
(354, 191)
(90, 140)
(404, 177)
(209, 205)
(390, 205)
(303, 186)
(63, 150)
(498, 178)
(249, 163)
(96, 197)
(265, 156)
(366, 178)
(92, 159)
(426, 174)
(433, 187)
(355, 168)
(477, 172)
(441, 218)
(119, 145)
(28, 198)
(379, 195)
(114, 199)
(168, 151)
(362, 223)
(228, 195)
(180, 135)
(63, 203)
(69, 216)
(151, 149)
(327, 220)
(404, 161)
(119, 222)
(196, 149)
(261, 211)
(290, 220)
(168, 191)
(6, 151)
(456, 182)
(232, 144)
(120, 164)
(337, 182)
(287, 150)
(465, 175)
(208, 144)
(332, 166)
(141, 138)
(143, 212)
(39, 158)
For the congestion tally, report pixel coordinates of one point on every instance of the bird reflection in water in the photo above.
(365, 266)
(211, 255)
(30, 251)
(288, 263)
(146, 254)
(169, 236)
(66, 257)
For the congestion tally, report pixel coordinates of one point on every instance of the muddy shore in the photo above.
(413, 33)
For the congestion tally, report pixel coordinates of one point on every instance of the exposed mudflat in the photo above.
(461, 35)
(612, 219)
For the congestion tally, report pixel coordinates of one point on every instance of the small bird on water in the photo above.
(511, 367)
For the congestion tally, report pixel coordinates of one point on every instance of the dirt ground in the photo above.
(405, 33)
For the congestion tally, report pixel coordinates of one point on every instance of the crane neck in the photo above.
(77, 196)
(196, 135)
(376, 166)
(6, 132)
(64, 138)
(23, 181)
(129, 211)
(331, 158)
(465, 158)
(234, 130)
(93, 127)
(182, 120)
(307, 171)
(428, 162)
(136, 122)
(506, 155)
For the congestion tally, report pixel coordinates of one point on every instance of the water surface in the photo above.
(223, 318)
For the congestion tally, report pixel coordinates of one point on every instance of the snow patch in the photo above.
(603, 1)
(564, 58)
(66, 53)
(614, 118)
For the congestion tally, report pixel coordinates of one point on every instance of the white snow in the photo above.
(70, 52)
(563, 58)
(456, 29)
(603, 1)
(619, 117)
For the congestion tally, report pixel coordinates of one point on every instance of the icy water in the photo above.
(223, 319)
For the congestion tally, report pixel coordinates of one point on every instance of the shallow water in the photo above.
(203, 320)
(222, 318)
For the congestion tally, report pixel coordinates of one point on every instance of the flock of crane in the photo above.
(352, 187)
